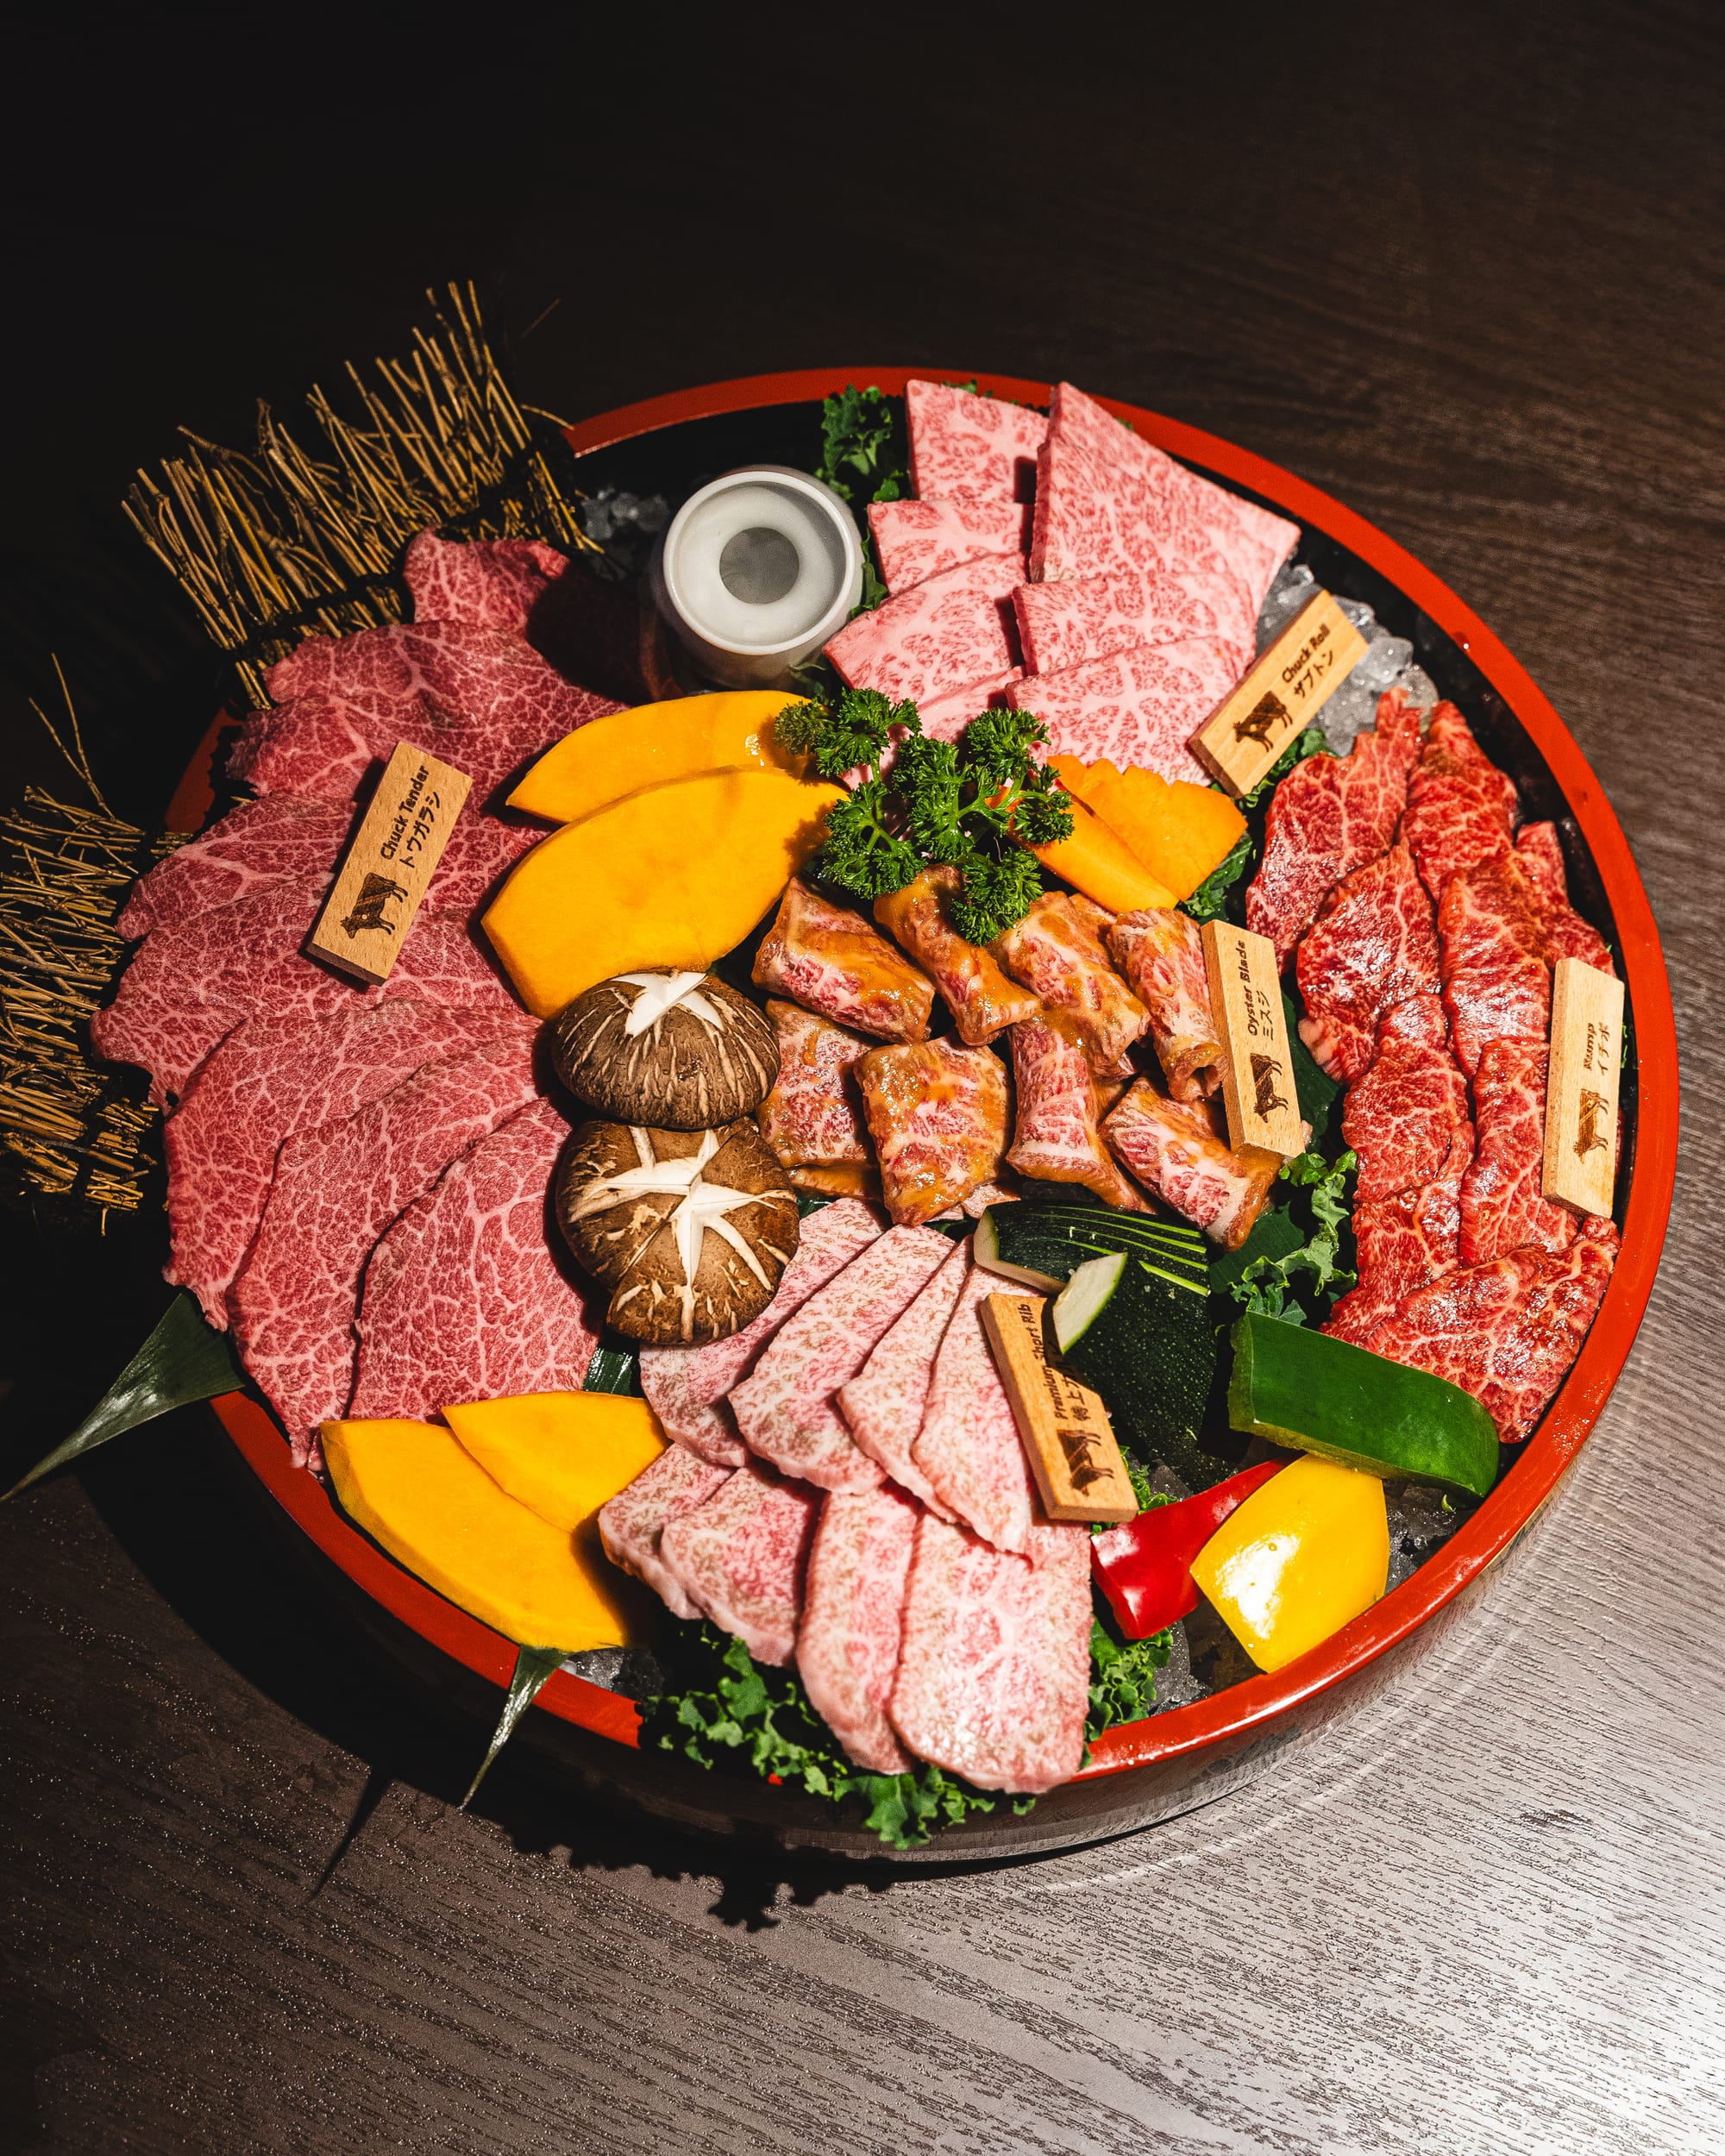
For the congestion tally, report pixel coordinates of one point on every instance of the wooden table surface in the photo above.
(1467, 277)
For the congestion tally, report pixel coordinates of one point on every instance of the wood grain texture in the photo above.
(239, 1913)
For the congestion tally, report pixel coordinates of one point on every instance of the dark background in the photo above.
(1461, 266)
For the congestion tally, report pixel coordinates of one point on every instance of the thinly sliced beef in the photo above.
(1056, 1138)
(318, 747)
(1374, 944)
(1461, 808)
(630, 1525)
(254, 845)
(463, 1299)
(1330, 815)
(970, 448)
(1160, 953)
(271, 1078)
(814, 1115)
(994, 1669)
(968, 1449)
(336, 1189)
(787, 1408)
(982, 1000)
(955, 629)
(1491, 938)
(1087, 617)
(1172, 1148)
(1506, 1332)
(741, 1556)
(1140, 707)
(945, 716)
(1567, 936)
(484, 584)
(937, 1115)
(1406, 1119)
(883, 1403)
(686, 1388)
(1402, 1243)
(834, 962)
(1503, 1207)
(189, 986)
(918, 540)
(853, 1619)
(1057, 951)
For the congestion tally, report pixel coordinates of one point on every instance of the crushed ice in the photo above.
(1388, 660)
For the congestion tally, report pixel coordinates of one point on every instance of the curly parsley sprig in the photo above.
(973, 804)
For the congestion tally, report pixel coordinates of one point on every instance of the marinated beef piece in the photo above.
(1107, 499)
(1406, 1119)
(937, 1115)
(1056, 1138)
(1374, 944)
(968, 1449)
(1057, 951)
(841, 1179)
(1138, 706)
(270, 1079)
(956, 628)
(814, 1115)
(1330, 815)
(1491, 938)
(983, 1001)
(632, 1523)
(1161, 952)
(1503, 1207)
(189, 986)
(1172, 1148)
(463, 1299)
(883, 1403)
(1461, 808)
(969, 448)
(787, 1408)
(1507, 1331)
(484, 584)
(1086, 617)
(1400, 1244)
(336, 1189)
(686, 1388)
(995, 1666)
(853, 1619)
(918, 540)
(831, 962)
(1567, 936)
(740, 1557)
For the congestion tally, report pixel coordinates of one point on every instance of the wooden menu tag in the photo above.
(1064, 1425)
(1581, 1086)
(1254, 722)
(1258, 1061)
(372, 902)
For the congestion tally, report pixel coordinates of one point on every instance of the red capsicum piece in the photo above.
(1144, 1565)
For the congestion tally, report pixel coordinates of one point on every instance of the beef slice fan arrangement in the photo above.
(360, 1180)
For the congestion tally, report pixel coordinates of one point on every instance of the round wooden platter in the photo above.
(1188, 1756)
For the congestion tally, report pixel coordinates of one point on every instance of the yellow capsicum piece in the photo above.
(1300, 1557)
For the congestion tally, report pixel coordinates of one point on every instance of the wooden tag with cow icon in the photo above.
(1258, 1060)
(394, 854)
(1281, 696)
(1067, 1435)
(1581, 1087)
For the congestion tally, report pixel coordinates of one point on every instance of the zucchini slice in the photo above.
(1044, 1245)
(1147, 1345)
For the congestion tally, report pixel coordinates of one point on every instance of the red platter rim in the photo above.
(1547, 1456)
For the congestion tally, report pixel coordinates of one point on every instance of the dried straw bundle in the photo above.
(272, 547)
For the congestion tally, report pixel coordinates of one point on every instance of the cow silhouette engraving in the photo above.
(375, 893)
(1082, 1448)
(1588, 1135)
(1265, 1069)
(1269, 712)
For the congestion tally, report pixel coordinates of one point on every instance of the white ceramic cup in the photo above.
(756, 571)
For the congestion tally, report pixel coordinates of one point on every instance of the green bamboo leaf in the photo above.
(185, 1359)
(613, 1369)
(532, 1666)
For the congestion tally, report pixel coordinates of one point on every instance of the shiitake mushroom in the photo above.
(672, 1051)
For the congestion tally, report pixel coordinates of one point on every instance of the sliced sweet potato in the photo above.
(611, 758)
